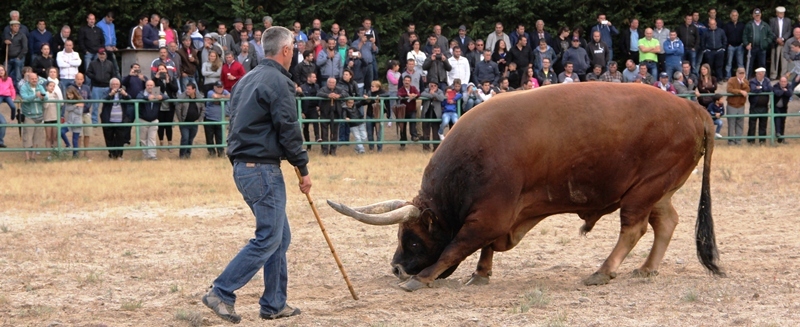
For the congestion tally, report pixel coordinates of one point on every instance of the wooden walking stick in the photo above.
(328, 239)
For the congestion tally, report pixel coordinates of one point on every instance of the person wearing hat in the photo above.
(248, 26)
(760, 87)
(238, 27)
(664, 84)
(578, 57)
(16, 46)
(781, 28)
(758, 38)
(462, 39)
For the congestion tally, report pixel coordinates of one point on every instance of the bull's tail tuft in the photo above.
(704, 228)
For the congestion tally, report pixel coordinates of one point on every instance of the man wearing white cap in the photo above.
(782, 29)
(760, 87)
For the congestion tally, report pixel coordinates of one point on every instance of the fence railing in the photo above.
(136, 139)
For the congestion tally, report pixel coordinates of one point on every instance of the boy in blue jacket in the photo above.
(717, 109)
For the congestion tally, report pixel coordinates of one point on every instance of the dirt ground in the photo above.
(140, 242)
(147, 264)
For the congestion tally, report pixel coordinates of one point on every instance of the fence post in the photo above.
(771, 118)
(222, 126)
(60, 112)
(382, 131)
(136, 121)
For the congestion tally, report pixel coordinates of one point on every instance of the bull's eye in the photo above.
(414, 245)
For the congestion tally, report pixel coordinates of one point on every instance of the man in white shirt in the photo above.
(68, 62)
(782, 29)
(460, 68)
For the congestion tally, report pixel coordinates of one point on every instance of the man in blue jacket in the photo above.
(264, 129)
(673, 53)
(606, 30)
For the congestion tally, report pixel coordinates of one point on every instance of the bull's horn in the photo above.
(381, 207)
(395, 216)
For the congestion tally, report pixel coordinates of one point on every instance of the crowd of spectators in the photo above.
(434, 76)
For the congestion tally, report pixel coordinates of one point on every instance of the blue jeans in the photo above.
(469, 103)
(75, 141)
(691, 56)
(87, 59)
(739, 53)
(2, 129)
(188, 133)
(652, 68)
(263, 189)
(360, 135)
(63, 84)
(447, 118)
(15, 70)
(718, 123)
(671, 69)
(186, 81)
(344, 132)
(97, 93)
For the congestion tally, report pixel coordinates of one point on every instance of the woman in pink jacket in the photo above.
(7, 94)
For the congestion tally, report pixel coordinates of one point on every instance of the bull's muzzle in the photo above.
(398, 271)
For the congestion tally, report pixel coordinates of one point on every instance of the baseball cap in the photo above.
(575, 38)
(13, 22)
(101, 51)
(218, 84)
(462, 27)
(761, 70)
(780, 9)
(663, 75)
(757, 11)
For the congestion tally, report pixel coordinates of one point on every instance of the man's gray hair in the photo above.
(275, 38)
(114, 79)
(266, 19)
(66, 27)
(13, 12)
(677, 76)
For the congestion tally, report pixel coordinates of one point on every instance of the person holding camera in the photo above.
(437, 66)
(114, 113)
(367, 50)
(168, 85)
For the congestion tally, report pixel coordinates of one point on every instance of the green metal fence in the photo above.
(136, 139)
(771, 115)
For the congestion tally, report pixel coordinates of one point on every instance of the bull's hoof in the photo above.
(477, 280)
(637, 273)
(412, 284)
(599, 278)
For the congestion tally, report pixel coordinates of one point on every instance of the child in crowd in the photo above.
(359, 129)
(51, 115)
(74, 115)
(717, 109)
(449, 108)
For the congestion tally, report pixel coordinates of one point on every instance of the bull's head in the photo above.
(420, 239)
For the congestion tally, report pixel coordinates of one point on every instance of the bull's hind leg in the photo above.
(484, 271)
(663, 219)
(633, 221)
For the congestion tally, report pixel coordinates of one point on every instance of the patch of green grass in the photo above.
(174, 288)
(194, 318)
(535, 298)
(4, 228)
(563, 240)
(544, 231)
(37, 311)
(559, 320)
(92, 278)
(131, 305)
(689, 296)
(128, 253)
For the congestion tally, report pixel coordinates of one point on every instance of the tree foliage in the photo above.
(389, 17)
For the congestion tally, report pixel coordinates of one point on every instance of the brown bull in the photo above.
(585, 148)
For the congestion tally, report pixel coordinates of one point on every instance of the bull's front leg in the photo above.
(457, 251)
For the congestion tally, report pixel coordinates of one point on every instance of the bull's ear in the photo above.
(429, 220)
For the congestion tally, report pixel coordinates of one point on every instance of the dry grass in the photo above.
(138, 243)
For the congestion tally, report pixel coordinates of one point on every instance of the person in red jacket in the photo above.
(232, 72)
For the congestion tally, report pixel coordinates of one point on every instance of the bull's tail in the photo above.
(704, 228)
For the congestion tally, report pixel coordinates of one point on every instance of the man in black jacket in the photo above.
(100, 71)
(714, 44)
(734, 30)
(263, 130)
(90, 39)
(330, 109)
(690, 37)
(630, 40)
(437, 66)
(310, 108)
(599, 53)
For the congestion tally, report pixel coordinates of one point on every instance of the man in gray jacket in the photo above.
(264, 130)
(15, 44)
(329, 61)
(578, 57)
(431, 109)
